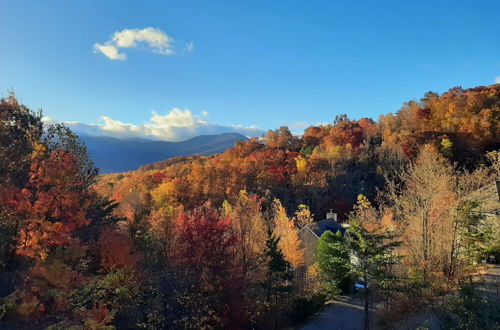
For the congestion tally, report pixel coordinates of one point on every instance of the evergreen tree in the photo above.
(473, 231)
(279, 272)
(279, 275)
(333, 257)
(372, 250)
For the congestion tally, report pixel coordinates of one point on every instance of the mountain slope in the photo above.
(120, 155)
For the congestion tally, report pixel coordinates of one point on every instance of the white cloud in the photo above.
(296, 126)
(299, 125)
(109, 51)
(154, 39)
(497, 80)
(176, 125)
(190, 47)
(47, 120)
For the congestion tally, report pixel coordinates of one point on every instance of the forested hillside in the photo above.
(213, 241)
(330, 165)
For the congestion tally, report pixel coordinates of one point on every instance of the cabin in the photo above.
(309, 236)
(489, 196)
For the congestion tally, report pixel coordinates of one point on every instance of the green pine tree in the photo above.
(374, 258)
(279, 276)
(333, 258)
(279, 271)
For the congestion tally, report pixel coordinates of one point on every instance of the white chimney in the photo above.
(331, 215)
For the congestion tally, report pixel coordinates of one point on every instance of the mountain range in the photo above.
(120, 155)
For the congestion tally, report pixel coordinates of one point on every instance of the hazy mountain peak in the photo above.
(112, 154)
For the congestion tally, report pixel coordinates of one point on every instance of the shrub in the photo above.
(304, 308)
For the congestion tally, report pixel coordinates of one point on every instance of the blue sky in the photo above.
(262, 63)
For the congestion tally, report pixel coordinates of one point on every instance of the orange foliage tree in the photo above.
(53, 205)
(287, 232)
(116, 250)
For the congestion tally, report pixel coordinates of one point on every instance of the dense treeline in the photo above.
(329, 165)
(213, 242)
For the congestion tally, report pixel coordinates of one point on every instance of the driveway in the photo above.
(342, 313)
(489, 282)
(347, 313)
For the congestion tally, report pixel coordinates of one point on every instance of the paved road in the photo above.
(347, 313)
(489, 282)
(488, 285)
(343, 313)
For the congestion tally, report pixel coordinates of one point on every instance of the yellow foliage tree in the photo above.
(301, 163)
(285, 229)
(249, 227)
(303, 216)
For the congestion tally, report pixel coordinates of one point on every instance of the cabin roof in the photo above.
(320, 227)
(489, 197)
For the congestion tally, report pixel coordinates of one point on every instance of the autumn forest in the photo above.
(217, 242)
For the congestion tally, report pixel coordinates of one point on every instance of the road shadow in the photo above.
(488, 284)
(341, 313)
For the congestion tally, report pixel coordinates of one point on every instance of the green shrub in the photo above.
(472, 309)
(304, 308)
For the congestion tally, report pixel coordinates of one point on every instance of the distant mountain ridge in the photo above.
(120, 155)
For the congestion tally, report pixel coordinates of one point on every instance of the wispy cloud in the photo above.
(295, 126)
(190, 47)
(110, 52)
(176, 125)
(153, 39)
(497, 80)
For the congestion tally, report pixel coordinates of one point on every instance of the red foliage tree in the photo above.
(424, 113)
(116, 250)
(206, 257)
(52, 206)
(204, 244)
(346, 132)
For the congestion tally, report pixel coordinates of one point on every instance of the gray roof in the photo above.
(489, 198)
(320, 227)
